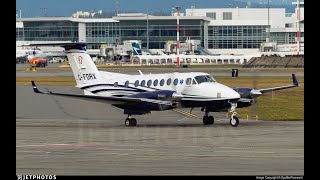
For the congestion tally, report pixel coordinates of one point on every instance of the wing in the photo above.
(110, 100)
(295, 83)
(250, 93)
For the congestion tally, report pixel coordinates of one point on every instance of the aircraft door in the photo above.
(189, 86)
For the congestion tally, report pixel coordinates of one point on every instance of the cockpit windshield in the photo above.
(204, 78)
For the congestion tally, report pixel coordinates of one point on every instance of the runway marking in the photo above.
(119, 154)
(240, 156)
(61, 145)
(30, 151)
(185, 113)
(119, 149)
(247, 152)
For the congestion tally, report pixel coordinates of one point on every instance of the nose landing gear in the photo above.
(234, 120)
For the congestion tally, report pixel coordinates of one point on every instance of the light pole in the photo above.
(147, 29)
(178, 29)
(298, 27)
(268, 32)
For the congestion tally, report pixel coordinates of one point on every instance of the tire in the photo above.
(127, 122)
(210, 120)
(234, 122)
(134, 122)
(205, 120)
(130, 122)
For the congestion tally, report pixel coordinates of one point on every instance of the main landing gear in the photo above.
(234, 120)
(130, 121)
(207, 120)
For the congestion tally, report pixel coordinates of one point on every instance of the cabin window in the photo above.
(126, 84)
(175, 82)
(155, 82)
(162, 82)
(194, 81)
(149, 83)
(204, 78)
(188, 81)
(136, 84)
(115, 84)
(169, 81)
(143, 83)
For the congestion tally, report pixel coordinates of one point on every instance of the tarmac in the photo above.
(63, 136)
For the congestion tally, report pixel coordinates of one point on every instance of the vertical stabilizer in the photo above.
(83, 67)
(136, 49)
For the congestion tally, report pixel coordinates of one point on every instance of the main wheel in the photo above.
(205, 120)
(234, 122)
(130, 122)
(134, 122)
(127, 122)
(210, 120)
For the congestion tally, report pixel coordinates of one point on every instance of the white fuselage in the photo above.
(193, 87)
(182, 83)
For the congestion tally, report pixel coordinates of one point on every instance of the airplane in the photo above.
(28, 54)
(143, 93)
(139, 56)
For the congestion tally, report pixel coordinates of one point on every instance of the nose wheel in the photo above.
(130, 121)
(234, 120)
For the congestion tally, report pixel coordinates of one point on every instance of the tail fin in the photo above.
(83, 67)
(136, 49)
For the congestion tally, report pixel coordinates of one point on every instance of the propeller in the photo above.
(250, 94)
(254, 94)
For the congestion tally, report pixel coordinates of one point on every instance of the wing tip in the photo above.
(294, 80)
(35, 89)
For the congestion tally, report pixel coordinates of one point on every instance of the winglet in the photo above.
(140, 72)
(35, 89)
(294, 80)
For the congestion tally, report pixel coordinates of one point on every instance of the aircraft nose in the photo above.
(233, 94)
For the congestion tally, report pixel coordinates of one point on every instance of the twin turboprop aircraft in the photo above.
(141, 94)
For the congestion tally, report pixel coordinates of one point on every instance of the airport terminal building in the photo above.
(223, 30)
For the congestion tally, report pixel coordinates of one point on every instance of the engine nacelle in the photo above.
(145, 107)
(157, 95)
(248, 93)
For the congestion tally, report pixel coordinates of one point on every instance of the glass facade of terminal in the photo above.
(284, 37)
(236, 37)
(19, 34)
(106, 32)
(161, 31)
(50, 31)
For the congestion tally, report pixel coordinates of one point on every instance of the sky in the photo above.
(36, 8)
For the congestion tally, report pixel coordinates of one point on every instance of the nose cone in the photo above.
(233, 94)
(229, 92)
